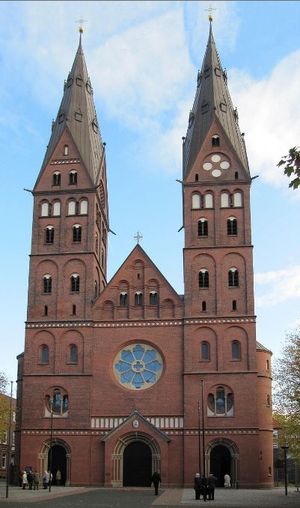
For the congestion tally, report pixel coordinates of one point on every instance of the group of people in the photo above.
(205, 487)
(32, 479)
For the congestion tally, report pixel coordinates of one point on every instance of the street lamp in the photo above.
(285, 449)
(51, 436)
(9, 440)
(203, 428)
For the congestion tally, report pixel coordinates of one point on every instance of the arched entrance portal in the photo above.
(57, 457)
(135, 457)
(137, 465)
(61, 457)
(222, 456)
(220, 463)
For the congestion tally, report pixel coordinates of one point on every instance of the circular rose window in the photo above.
(138, 366)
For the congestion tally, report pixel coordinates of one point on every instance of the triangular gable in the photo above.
(142, 423)
(125, 272)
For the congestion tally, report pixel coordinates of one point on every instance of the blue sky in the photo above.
(143, 59)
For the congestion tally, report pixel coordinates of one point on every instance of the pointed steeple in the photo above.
(77, 113)
(212, 102)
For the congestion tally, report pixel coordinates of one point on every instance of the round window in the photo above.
(138, 366)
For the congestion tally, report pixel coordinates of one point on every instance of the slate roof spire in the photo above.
(77, 113)
(212, 101)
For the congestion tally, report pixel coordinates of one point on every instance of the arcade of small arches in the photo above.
(206, 200)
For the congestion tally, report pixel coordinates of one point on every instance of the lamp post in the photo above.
(9, 440)
(51, 436)
(203, 427)
(285, 449)
(199, 438)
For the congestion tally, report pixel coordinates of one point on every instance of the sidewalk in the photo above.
(225, 498)
(232, 498)
(17, 494)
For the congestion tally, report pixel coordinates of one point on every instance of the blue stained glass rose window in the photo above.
(138, 366)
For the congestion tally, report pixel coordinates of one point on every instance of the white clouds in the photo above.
(269, 110)
(277, 286)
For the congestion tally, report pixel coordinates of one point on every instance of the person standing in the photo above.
(36, 480)
(45, 479)
(197, 485)
(227, 481)
(30, 479)
(203, 489)
(24, 480)
(58, 477)
(211, 485)
(156, 480)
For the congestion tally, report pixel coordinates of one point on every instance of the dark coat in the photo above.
(155, 478)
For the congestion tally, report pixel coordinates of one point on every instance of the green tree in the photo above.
(291, 166)
(4, 404)
(287, 393)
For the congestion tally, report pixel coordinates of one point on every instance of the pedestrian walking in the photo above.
(227, 481)
(156, 480)
(30, 479)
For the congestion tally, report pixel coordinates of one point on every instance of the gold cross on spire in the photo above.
(210, 10)
(81, 22)
(138, 237)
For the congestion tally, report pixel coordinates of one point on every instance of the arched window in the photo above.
(268, 365)
(138, 298)
(233, 277)
(49, 234)
(202, 227)
(72, 207)
(75, 283)
(203, 278)
(237, 199)
(208, 200)
(56, 177)
(45, 209)
(196, 201)
(44, 354)
(225, 200)
(123, 299)
(234, 306)
(231, 226)
(83, 207)
(56, 208)
(153, 298)
(73, 353)
(77, 233)
(220, 402)
(205, 350)
(215, 140)
(268, 400)
(203, 306)
(66, 150)
(57, 401)
(235, 350)
(47, 283)
(73, 177)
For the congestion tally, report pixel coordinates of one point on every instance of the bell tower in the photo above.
(220, 362)
(216, 183)
(70, 219)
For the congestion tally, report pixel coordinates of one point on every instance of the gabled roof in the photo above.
(77, 112)
(212, 102)
(138, 250)
(136, 415)
(261, 347)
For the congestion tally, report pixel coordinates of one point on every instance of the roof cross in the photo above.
(81, 22)
(210, 10)
(138, 237)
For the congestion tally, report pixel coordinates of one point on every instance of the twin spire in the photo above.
(77, 113)
(212, 102)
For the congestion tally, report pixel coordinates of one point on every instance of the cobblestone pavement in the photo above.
(85, 497)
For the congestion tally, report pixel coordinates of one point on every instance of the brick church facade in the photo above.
(122, 378)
